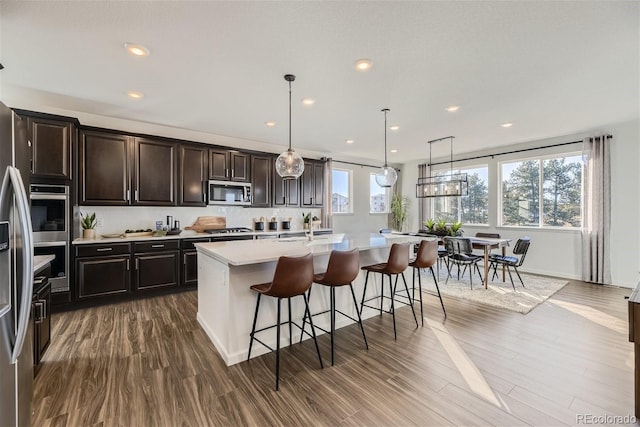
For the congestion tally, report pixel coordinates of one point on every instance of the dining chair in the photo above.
(460, 253)
(520, 251)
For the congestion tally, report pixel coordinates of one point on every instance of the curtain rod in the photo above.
(509, 152)
(355, 164)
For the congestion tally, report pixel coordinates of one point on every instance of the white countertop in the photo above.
(186, 234)
(245, 252)
(41, 261)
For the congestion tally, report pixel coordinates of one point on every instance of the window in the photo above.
(380, 198)
(542, 192)
(341, 191)
(469, 209)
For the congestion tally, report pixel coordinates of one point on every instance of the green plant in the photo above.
(455, 229)
(429, 224)
(399, 209)
(88, 221)
(306, 218)
(441, 225)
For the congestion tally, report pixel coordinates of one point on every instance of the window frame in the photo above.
(540, 160)
(349, 190)
(388, 194)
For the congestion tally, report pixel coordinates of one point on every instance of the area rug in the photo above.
(536, 290)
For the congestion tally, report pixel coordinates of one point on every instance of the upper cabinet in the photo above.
(312, 184)
(286, 192)
(261, 180)
(192, 175)
(116, 169)
(51, 145)
(229, 165)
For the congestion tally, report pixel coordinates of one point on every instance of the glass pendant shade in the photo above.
(289, 165)
(386, 176)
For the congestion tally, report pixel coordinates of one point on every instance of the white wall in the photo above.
(360, 220)
(558, 252)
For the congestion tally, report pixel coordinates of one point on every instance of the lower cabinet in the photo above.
(103, 270)
(41, 308)
(190, 261)
(156, 264)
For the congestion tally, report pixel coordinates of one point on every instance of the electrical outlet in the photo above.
(100, 222)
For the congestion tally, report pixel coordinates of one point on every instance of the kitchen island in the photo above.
(226, 270)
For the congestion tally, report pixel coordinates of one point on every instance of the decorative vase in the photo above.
(89, 233)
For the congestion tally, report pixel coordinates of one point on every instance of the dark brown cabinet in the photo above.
(154, 173)
(190, 261)
(41, 308)
(51, 145)
(229, 165)
(192, 176)
(104, 168)
(312, 185)
(156, 264)
(261, 180)
(119, 170)
(285, 192)
(102, 270)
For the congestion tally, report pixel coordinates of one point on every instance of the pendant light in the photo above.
(289, 165)
(386, 176)
(451, 184)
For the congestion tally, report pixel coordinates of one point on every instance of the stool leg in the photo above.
(253, 329)
(438, 289)
(406, 288)
(393, 311)
(382, 291)
(313, 331)
(290, 324)
(278, 348)
(333, 318)
(355, 304)
(364, 293)
(420, 294)
(304, 317)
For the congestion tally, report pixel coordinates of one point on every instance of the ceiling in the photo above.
(550, 68)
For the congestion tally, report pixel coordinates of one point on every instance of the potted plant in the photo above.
(399, 208)
(88, 223)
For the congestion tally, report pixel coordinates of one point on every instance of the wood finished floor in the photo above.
(148, 363)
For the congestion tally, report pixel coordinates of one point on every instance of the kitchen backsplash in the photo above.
(112, 219)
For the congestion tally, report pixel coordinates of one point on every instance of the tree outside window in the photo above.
(470, 209)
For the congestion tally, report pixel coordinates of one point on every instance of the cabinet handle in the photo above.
(233, 173)
(38, 311)
(136, 195)
(128, 266)
(128, 195)
(157, 246)
(104, 249)
(226, 172)
(184, 259)
(43, 303)
(137, 263)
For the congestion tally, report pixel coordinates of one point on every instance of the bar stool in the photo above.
(342, 269)
(397, 263)
(426, 257)
(293, 277)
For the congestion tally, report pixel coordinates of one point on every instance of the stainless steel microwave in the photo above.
(229, 193)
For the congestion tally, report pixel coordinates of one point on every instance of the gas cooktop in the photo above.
(229, 230)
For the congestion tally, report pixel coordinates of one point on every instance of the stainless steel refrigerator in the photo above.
(16, 273)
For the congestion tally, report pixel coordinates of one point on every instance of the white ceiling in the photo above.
(551, 68)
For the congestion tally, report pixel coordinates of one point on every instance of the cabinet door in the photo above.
(306, 185)
(51, 148)
(218, 164)
(192, 176)
(189, 268)
(279, 190)
(102, 276)
(155, 177)
(261, 181)
(293, 192)
(239, 166)
(318, 184)
(104, 168)
(156, 270)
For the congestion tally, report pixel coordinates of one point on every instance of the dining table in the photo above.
(488, 243)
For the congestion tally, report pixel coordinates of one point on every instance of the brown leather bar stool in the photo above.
(426, 257)
(397, 263)
(292, 278)
(342, 269)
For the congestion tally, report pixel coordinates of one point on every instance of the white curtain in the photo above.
(327, 218)
(597, 209)
(423, 207)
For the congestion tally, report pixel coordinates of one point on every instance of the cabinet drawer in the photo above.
(189, 244)
(160, 245)
(102, 250)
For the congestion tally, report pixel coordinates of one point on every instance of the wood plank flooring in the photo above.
(148, 363)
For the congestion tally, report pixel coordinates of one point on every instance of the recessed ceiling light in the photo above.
(137, 49)
(134, 94)
(349, 141)
(363, 64)
(506, 125)
(394, 127)
(393, 151)
(308, 101)
(453, 108)
(270, 124)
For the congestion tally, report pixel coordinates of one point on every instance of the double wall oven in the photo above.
(50, 220)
